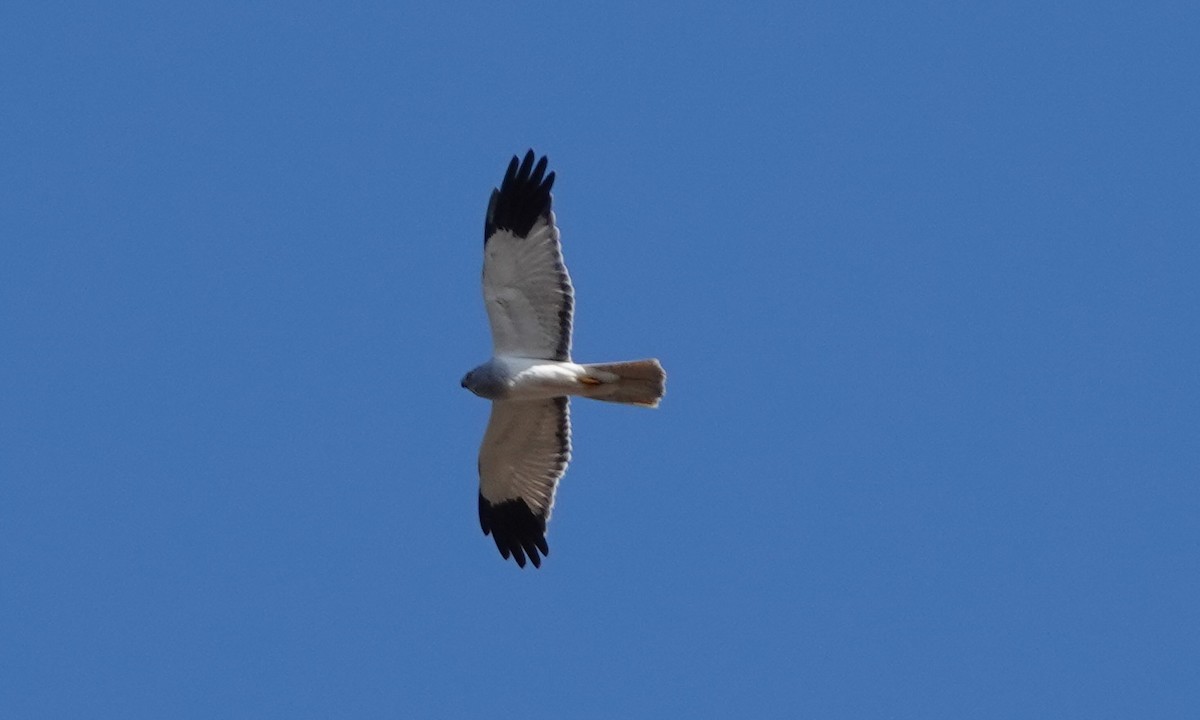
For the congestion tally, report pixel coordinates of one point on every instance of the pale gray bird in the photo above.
(530, 305)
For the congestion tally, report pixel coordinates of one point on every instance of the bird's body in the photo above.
(530, 303)
(507, 377)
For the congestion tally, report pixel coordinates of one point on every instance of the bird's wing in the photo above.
(526, 287)
(525, 451)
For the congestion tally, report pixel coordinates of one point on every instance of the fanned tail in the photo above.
(637, 382)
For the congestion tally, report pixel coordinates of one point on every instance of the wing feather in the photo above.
(525, 452)
(526, 287)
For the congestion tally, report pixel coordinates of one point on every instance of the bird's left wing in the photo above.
(526, 288)
(525, 451)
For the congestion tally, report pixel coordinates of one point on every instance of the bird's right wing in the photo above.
(525, 452)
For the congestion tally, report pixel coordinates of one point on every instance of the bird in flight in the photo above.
(530, 306)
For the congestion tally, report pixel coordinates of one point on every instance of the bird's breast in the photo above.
(532, 379)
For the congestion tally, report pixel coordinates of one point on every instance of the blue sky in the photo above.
(924, 277)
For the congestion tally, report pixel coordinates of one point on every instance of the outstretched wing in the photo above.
(525, 451)
(526, 287)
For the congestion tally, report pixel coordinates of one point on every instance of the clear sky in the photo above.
(924, 277)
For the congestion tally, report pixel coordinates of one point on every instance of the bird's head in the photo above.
(485, 382)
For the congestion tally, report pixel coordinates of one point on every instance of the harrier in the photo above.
(530, 305)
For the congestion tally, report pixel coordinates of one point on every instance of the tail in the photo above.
(637, 382)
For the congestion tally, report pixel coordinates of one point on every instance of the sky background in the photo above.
(924, 277)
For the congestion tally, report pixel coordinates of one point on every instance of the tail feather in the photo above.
(637, 382)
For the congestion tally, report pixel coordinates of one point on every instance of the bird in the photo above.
(530, 377)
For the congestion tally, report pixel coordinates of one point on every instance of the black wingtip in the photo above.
(522, 198)
(518, 531)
